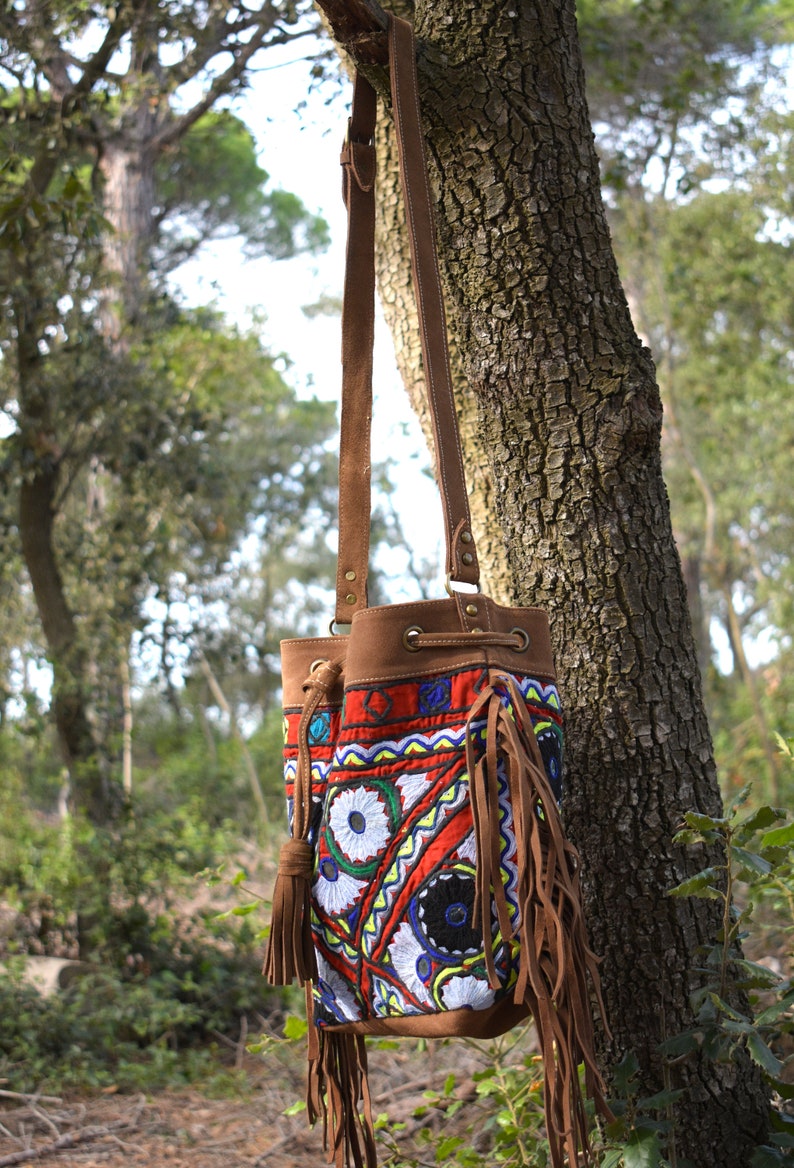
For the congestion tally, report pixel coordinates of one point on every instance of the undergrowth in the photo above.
(179, 1016)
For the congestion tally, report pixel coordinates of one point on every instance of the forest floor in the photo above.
(191, 1129)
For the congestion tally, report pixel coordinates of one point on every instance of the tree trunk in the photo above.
(128, 199)
(570, 416)
(89, 793)
(37, 495)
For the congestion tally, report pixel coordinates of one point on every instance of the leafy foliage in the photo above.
(156, 1024)
(657, 70)
(757, 870)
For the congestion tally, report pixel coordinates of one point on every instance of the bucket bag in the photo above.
(427, 888)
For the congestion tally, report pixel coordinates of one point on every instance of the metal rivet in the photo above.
(476, 630)
(350, 598)
(467, 558)
(471, 610)
(466, 537)
(350, 575)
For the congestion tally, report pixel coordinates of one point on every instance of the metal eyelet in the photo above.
(413, 631)
(524, 635)
(316, 664)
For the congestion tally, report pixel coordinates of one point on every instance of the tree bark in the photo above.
(570, 416)
(36, 511)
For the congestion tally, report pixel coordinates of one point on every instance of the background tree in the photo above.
(570, 417)
(725, 373)
(135, 439)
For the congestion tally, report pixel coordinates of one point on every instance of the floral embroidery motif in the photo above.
(335, 890)
(471, 992)
(359, 823)
(411, 962)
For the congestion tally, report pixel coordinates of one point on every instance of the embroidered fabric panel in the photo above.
(323, 734)
(394, 885)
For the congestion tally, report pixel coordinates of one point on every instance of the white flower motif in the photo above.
(468, 849)
(408, 954)
(332, 986)
(336, 890)
(358, 819)
(471, 992)
(412, 788)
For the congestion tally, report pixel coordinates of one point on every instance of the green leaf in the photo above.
(449, 1084)
(681, 1044)
(612, 1158)
(759, 819)
(245, 910)
(295, 1108)
(776, 1011)
(750, 861)
(642, 1151)
(785, 745)
(295, 1027)
(739, 799)
(446, 1147)
(781, 1122)
(624, 1072)
(660, 1100)
(739, 1028)
(766, 1157)
(724, 1008)
(699, 885)
(687, 836)
(781, 836)
(704, 822)
(757, 976)
(761, 1054)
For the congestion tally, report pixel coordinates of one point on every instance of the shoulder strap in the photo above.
(357, 331)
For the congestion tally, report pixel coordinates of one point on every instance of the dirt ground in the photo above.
(189, 1130)
(179, 1130)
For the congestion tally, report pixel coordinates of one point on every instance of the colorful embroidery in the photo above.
(395, 851)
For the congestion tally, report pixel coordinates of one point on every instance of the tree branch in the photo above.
(96, 65)
(214, 38)
(359, 26)
(222, 83)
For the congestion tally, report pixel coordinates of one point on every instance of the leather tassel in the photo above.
(557, 968)
(337, 1084)
(290, 951)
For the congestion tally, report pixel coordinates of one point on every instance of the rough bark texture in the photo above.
(570, 415)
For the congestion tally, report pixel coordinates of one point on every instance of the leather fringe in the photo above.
(337, 1086)
(290, 951)
(557, 968)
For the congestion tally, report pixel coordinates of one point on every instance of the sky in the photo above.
(299, 132)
